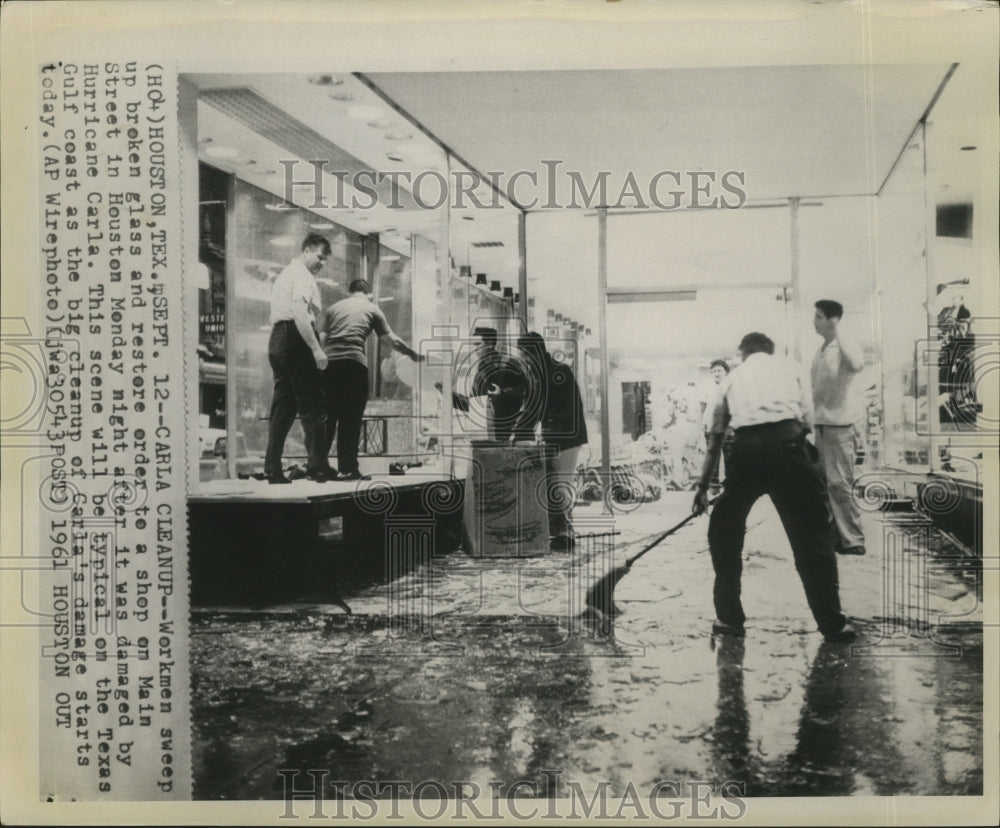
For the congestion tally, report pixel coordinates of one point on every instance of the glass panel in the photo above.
(212, 202)
(902, 285)
(837, 244)
(268, 234)
(393, 296)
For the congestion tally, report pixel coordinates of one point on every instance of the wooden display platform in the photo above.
(253, 543)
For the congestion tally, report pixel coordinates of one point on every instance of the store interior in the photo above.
(866, 184)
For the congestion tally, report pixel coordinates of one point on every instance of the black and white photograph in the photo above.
(532, 411)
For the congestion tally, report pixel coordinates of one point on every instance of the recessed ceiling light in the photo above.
(468, 218)
(342, 95)
(280, 207)
(968, 148)
(378, 123)
(322, 225)
(363, 112)
(282, 241)
(222, 152)
(394, 156)
(261, 172)
(398, 135)
(325, 80)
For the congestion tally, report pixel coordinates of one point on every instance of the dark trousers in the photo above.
(775, 460)
(346, 385)
(298, 389)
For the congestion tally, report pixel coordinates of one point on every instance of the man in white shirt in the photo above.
(762, 400)
(833, 370)
(297, 361)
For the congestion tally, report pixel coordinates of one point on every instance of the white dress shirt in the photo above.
(763, 389)
(295, 290)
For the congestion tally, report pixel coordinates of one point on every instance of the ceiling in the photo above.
(818, 132)
(793, 130)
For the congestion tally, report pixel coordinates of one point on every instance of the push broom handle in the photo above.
(665, 535)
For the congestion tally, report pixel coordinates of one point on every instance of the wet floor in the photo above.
(483, 671)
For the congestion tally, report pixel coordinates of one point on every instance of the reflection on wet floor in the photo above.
(496, 685)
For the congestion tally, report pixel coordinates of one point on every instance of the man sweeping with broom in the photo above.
(763, 402)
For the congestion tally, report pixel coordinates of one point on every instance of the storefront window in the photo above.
(268, 234)
(902, 280)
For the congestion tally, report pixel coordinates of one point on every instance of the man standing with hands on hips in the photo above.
(835, 404)
(296, 360)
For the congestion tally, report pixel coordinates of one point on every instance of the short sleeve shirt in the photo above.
(294, 289)
(763, 389)
(347, 324)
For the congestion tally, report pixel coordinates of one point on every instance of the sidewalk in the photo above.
(480, 670)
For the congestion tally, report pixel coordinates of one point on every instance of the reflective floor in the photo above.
(484, 672)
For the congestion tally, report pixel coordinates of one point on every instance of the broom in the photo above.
(601, 596)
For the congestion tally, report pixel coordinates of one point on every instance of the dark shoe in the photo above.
(277, 478)
(852, 550)
(352, 476)
(722, 628)
(322, 476)
(844, 634)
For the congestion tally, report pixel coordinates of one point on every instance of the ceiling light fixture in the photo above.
(398, 135)
(280, 206)
(322, 225)
(342, 95)
(394, 156)
(325, 80)
(968, 148)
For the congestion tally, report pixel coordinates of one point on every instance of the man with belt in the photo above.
(296, 360)
(833, 370)
(346, 326)
(762, 400)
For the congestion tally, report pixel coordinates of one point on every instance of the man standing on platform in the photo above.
(762, 400)
(346, 326)
(833, 370)
(296, 360)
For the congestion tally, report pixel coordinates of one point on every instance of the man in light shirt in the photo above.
(836, 405)
(296, 360)
(762, 400)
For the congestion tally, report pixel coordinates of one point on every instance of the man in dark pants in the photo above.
(554, 400)
(346, 326)
(762, 399)
(296, 360)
